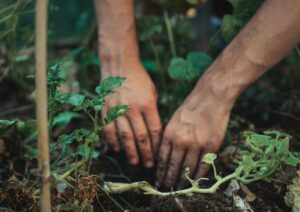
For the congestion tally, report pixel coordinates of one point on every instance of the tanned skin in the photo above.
(199, 124)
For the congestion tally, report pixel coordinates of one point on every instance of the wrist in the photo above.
(118, 58)
(231, 73)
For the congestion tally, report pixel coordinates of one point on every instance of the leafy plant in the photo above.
(260, 156)
(72, 152)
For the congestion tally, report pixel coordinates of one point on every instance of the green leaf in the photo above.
(77, 135)
(209, 158)
(109, 84)
(31, 153)
(243, 10)
(247, 163)
(291, 159)
(115, 112)
(72, 99)
(150, 31)
(91, 138)
(26, 128)
(53, 78)
(180, 70)
(86, 104)
(5, 126)
(190, 69)
(201, 61)
(230, 27)
(64, 118)
(84, 150)
(98, 103)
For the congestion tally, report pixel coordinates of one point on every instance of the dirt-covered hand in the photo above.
(139, 129)
(196, 128)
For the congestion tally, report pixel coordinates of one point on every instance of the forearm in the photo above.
(264, 41)
(117, 35)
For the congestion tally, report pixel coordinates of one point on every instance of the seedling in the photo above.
(258, 159)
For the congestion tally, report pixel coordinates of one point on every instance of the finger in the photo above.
(111, 136)
(174, 166)
(163, 157)
(202, 169)
(191, 161)
(127, 138)
(142, 138)
(154, 126)
(110, 133)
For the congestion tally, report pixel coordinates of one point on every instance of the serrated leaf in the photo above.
(115, 112)
(72, 99)
(5, 126)
(109, 84)
(64, 118)
(53, 77)
(76, 135)
(26, 128)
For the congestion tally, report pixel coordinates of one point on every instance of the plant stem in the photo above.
(111, 187)
(215, 172)
(159, 64)
(170, 33)
(16, 7)
(75, 166)
(41, 102)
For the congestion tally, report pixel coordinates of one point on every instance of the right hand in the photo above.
(140, 128)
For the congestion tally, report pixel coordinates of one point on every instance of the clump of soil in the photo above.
(17, 196)
(215, 202)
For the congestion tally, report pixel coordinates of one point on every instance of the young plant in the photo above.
(72, 153)
(258, 159)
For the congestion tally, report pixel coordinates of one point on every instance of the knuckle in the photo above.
(141, 136)
(155, 131)
(126, 135)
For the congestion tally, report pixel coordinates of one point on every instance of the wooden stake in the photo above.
(41, 101)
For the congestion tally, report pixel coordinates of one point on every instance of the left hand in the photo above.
(196, 128)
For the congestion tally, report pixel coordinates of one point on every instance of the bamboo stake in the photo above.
(41, 101)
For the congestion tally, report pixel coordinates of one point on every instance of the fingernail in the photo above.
(149, 164)
(133, 161)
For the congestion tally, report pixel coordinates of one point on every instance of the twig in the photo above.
(286, 114)
(16, 110)
(41, 102)
(170, 33)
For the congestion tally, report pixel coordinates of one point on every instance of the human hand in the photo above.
(139, 129)
(196, 128)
